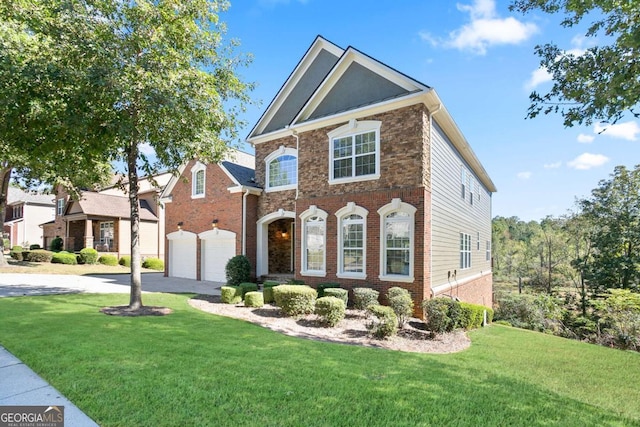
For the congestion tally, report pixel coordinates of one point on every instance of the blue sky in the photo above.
(480, 59)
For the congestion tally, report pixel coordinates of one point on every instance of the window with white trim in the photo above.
(354, 152)
(465, 251)
(488, 256)
(282, 169)
(60, 207)
(106, 233)
(397, 243)
(463, 182)
(17, 211)
(352, 239)
(198, 180)
(314, 242)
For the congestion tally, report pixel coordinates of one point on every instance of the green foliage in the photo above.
(364, 297)
(267, 290)
(383, 322)
(322, 286)
(343, 294)
(472, 315)
(230, 294)
(238, 270)
(330, 309)
(537, 312)
(57, 244)
(88, 256)
(620, 318)
(253, 299)
(612, 37)
(64, 257)
(247, 287)
(153, 264)
(441, 314)
(16, 252)
(295, 300)
(108, 260)
(402, 304)
(125, 260)
(38, 255)
(34, 247)
(296, 282)
(5, 243)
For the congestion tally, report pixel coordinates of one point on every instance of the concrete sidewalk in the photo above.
(19, 385)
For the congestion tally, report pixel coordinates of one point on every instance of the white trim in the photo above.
(313, 211)
(350, 209)
(281, 151)
(197, 168)
(352, 129)
(243, 188)
(262, 239)
(397, 205)
(439, 289)
(182, 235)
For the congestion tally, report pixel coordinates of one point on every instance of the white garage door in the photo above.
(182, 254)
(218, 247)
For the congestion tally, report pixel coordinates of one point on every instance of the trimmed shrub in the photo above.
(230, 294)
(153, 264)
(57, 244)
(472, 315)
(16, 252)
(125, 260)
(253, 299)
(295, 282)
(295, 300)
(440, 314)
(267, 291)
(343, 294)
(384, 322)
(322, 286)
(330, 309)
(88, 256)
(64, 257)
(364, 297)
(38, 255)
(238, 270)
(34, 247)
(108, 260)
(401, 303)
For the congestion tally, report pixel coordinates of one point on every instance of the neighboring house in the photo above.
(369, 182)
(25, 213)
(102, 220)
(210, 217)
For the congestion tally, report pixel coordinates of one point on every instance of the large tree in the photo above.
(602, 84)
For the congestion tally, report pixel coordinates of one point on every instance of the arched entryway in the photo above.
(276, 237)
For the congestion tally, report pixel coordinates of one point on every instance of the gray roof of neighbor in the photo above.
(17, 195)
(98, 204)
(244, 175)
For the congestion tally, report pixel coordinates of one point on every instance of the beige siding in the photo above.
(453, 215)
(149, 239)
(124, 237)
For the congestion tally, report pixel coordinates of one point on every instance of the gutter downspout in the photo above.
(244, 222)
(431, 114)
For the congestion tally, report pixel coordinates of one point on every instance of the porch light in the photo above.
(214, 224)
(180, 224)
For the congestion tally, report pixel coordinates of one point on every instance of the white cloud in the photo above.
(583, 138)
(485, 29)
(555, 165)
(588, 161)
(539, 76)
(524, 175)
(626, 130)
(147, 149)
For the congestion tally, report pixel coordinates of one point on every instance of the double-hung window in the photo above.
(354, 152)
(198, 180)
(60, 207)
(352, 241)
(314, 242)
(397, 241)
(465, 251)
(282, 169)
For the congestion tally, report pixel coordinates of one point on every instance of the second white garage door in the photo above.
(218, 247)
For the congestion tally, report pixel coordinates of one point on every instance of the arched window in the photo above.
(352, 241)
(198, 180)
(397, 241)
(314, 242)
(282, 169)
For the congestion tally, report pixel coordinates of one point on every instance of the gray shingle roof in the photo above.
(16, 195)
(244, 175)
(98, 204)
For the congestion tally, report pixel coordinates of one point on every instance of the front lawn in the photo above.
(195, 368)
(25, 267)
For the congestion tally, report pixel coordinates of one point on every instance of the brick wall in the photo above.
(477, 291)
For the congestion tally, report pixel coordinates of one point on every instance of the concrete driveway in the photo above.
(12, 284)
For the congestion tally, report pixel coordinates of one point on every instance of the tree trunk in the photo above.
(5, 176)
(135, 300)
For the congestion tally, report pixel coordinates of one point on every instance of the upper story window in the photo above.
(17, 211)
(282, 169)
(198, 180)
(352, 241)
(314, 241)
(60, 207)
(354, 152)
(397, 241)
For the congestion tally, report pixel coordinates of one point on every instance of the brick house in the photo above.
(210, 217)
(368, 181)
(25, 213)
(102, 220)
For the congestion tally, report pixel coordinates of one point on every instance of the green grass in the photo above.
(195, 368)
